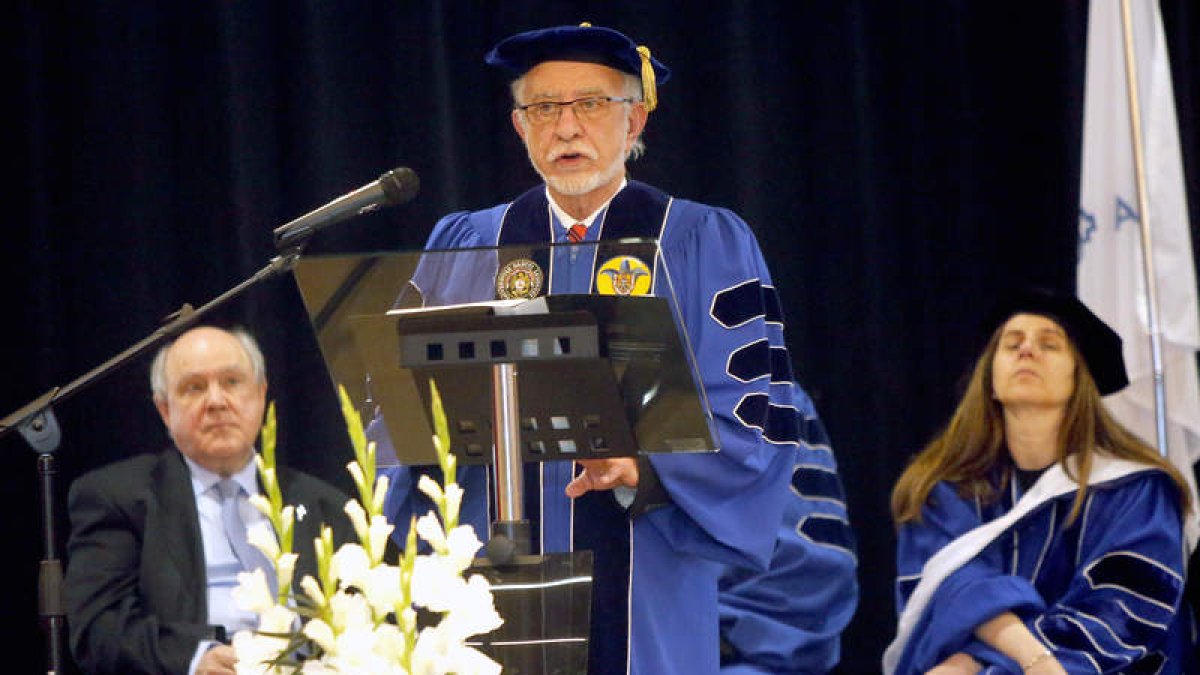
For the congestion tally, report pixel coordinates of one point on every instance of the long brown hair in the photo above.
(971, 446)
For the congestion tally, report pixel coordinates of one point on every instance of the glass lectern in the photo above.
(541, 354)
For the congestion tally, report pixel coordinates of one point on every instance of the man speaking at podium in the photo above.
(741, 558)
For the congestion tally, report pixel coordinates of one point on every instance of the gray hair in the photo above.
(158, 369)
(631, 88)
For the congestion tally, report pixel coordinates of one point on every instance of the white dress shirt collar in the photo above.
(566, 221)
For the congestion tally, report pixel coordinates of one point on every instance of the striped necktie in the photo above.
(235, 530)
(577, 232)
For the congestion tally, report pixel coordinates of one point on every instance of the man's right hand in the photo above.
(220, 660)
(604, 474)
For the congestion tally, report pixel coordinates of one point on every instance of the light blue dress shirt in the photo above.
(220, 563)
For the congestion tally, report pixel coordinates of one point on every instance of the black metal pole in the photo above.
(50, 574)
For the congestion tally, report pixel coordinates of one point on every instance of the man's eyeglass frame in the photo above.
(585, 108)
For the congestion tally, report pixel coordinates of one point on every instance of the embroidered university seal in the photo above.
(623, 275)
(520, 278)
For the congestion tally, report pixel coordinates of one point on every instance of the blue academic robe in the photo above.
(789, 618)
(1103, 594)
(725, 550)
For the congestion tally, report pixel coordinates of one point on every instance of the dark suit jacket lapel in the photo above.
(173, 534)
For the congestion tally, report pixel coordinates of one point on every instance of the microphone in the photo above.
(394, 187)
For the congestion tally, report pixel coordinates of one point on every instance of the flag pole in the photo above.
(1139, 172)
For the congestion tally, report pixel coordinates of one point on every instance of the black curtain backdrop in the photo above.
(900, 163)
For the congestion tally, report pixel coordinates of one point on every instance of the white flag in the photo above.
(1111, 276)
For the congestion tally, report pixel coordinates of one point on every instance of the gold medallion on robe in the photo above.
(623, 275)
(520, 278)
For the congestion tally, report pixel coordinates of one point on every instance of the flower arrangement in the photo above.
(362, 611)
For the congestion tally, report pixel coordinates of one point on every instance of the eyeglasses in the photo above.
(586, 108)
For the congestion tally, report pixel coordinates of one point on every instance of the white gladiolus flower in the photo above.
(429, 528)
(350, 612)
(312, 589)
(356, 472)
(252, 592)
(382, 588)
(380, 530)
(461, 547)
(358, 518)
(381, 490)
(254, 651)
(430, 487)
(319, 632)
(454, 496)
(389, 643)
(470, 610)
(473, 610)
(437, 653)
(350, 564)
(260, 503)
(464, 659)
(322, 667)
(430, 652)
(285, 569)
(435, 583)
(278, 619)
(262, 536)
(356, 646)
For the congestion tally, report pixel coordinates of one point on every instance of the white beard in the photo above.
(582, 184)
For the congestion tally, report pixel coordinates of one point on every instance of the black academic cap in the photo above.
(585, 42)
(1099, 345)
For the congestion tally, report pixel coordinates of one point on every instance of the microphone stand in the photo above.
(37, 425)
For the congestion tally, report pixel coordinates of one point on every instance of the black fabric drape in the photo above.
(900, 163)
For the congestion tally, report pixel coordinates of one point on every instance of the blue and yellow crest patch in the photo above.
(624, 275)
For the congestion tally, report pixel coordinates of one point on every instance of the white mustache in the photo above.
(585, 152)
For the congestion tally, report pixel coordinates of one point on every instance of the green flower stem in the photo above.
(270, 482)
(324, 551)
(408, 561)
(364, 452)
(446, 459)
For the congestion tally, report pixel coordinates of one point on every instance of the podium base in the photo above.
(546, 604)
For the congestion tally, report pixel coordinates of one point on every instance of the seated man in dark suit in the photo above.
(151, 565)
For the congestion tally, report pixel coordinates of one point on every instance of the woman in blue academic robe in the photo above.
(1035, 533)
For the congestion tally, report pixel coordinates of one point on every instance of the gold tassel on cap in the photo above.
(649, 91)
(649, 88)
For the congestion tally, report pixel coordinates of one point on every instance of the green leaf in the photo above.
(354, 425)
(267, 436)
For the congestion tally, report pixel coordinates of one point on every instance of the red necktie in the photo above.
(577, 232)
